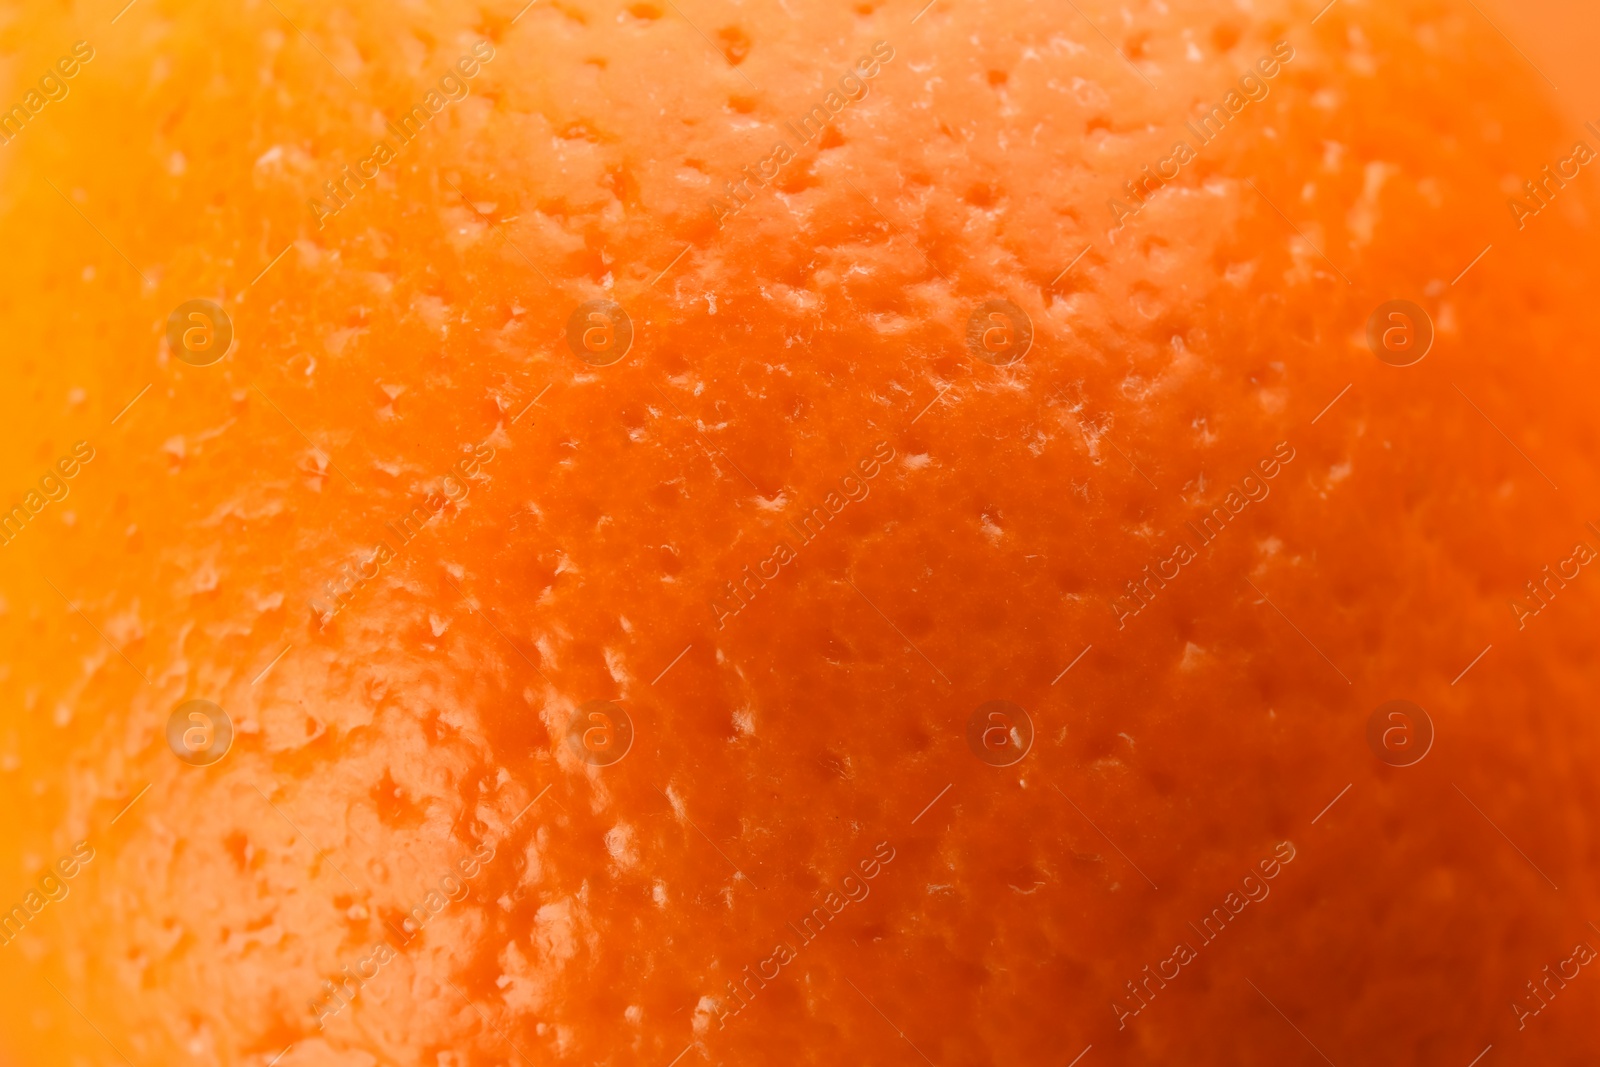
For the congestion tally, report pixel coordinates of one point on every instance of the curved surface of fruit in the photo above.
(954, 532)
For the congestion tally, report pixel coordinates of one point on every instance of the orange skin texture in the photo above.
(776, 748)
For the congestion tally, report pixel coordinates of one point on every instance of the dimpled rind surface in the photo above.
(777, 359)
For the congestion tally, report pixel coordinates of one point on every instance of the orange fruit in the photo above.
(678, 534)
